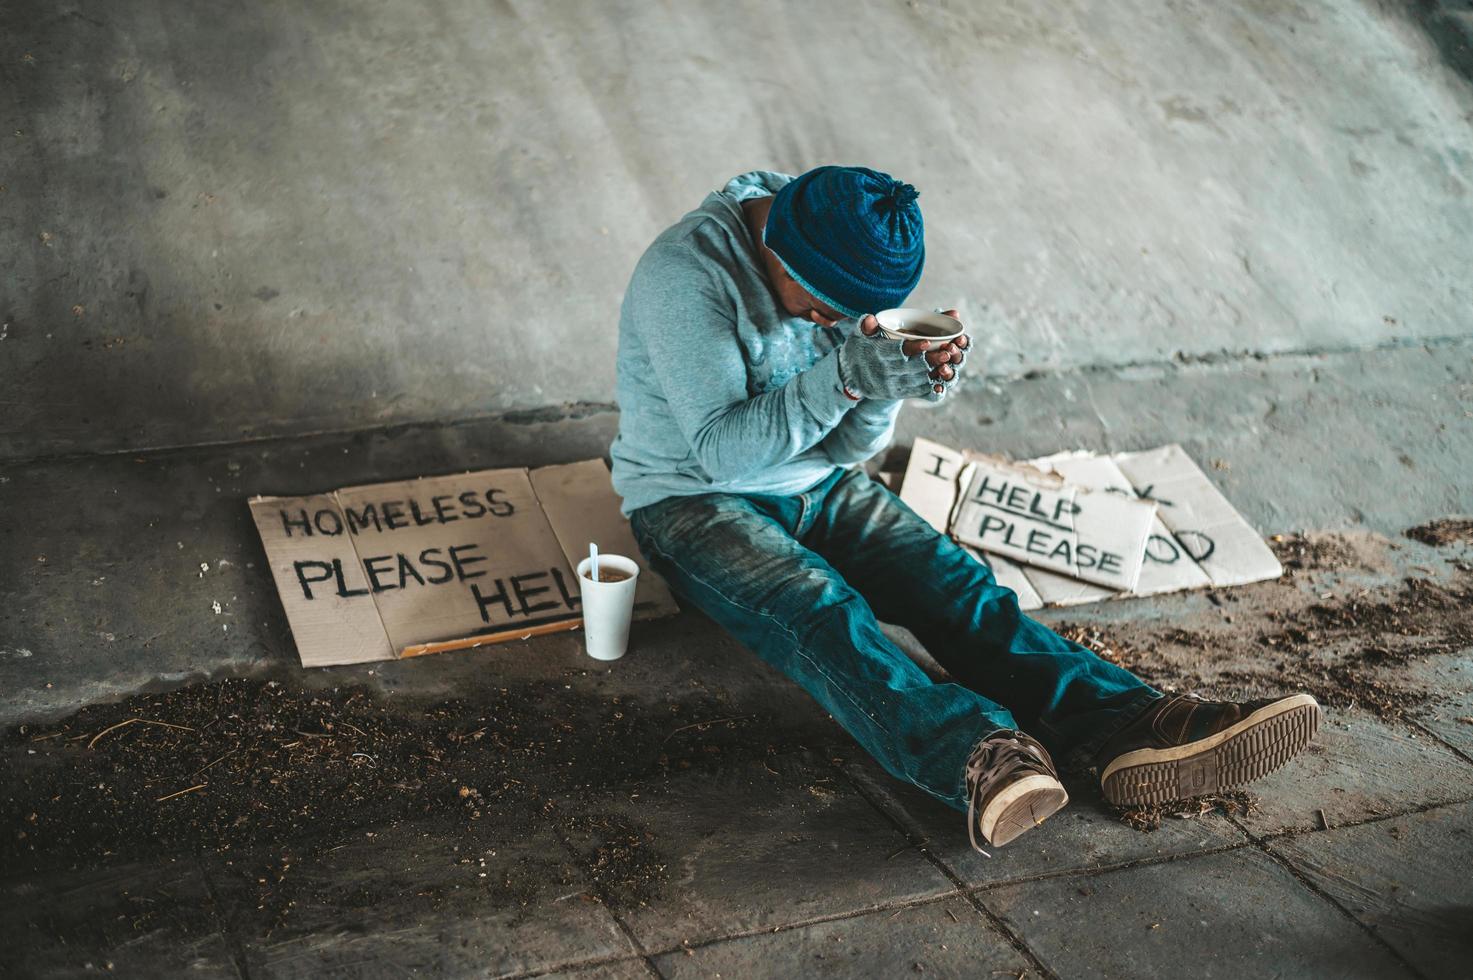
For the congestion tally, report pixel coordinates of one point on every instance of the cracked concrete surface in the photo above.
(107, 595)
(746, 776)
(256, 250)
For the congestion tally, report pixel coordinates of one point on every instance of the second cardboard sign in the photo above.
(1023, 513)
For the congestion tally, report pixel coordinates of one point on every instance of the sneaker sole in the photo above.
(1021, 807)
(1239, 754)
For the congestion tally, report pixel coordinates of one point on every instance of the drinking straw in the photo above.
(593, 561)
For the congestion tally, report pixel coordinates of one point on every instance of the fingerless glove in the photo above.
(875, 367)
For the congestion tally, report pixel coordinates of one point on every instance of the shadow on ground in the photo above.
(687, 809)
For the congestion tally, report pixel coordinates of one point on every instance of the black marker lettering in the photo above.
(374, 573)
(501, 508)
(407, 571)
(360, 521)
(460, 562)
(1196, 544)
(301, 569)
(523, 594)
(343, 590)
(484, 601)
(288, 523)
(985, 488)
(569, 600)
(440, 513)
(1162, 551)
(425, 559)
(469, 500)
(393, 510)
(336, 524)
(991, 522)
(1145, 494)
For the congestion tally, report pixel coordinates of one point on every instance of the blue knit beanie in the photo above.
(850, 236)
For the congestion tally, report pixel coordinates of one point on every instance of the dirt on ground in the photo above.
(1349, 644)
(1320, 552)
(1148, 818)
(1452, 530)
(1344, 642)
(275, 780)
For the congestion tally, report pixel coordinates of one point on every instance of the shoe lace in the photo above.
(994, 757)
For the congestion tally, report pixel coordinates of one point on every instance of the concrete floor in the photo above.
(774, 847)
(247, 249)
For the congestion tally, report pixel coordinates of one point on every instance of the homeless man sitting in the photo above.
(752, 380)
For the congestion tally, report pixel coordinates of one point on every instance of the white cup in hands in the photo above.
(607, 606)
(913, 324)
(942, 333)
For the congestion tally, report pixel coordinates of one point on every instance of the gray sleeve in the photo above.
(686, 327)
(863, 432)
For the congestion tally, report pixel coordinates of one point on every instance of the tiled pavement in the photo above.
(805, 860)
(812, 862)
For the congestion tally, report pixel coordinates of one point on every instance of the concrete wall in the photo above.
(238, 219)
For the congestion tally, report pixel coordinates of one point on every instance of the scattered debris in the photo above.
(1346, 645)
(1091, 636)
(1340, 650)
(181, 792)
(1148, 818)
(1312, 552)
(1451, 530)
(238, 766)
(627, 871)
(131, 721)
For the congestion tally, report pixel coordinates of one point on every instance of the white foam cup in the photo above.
(607, 606)
(912, 324)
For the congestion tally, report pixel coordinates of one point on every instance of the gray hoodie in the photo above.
(719, 390)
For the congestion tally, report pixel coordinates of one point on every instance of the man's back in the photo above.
(698, 331)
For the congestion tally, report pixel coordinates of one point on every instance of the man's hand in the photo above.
(876, 367)
(945, 360)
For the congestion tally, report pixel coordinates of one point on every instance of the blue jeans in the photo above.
(804, 581)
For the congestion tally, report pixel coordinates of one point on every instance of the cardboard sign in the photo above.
(930, 489)
(581, 507)
(1167, 566)
(1196, 539)
(1036, 519)
(419, 566)
(1204, 526)
(331, 620)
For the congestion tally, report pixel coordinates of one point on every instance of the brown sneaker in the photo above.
(1184, 746)
(1012, 787)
